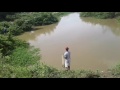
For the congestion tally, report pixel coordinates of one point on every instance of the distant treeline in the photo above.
(17, 23)
(3, 15)
(101, 15)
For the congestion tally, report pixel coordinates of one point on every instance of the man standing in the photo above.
(67, 58)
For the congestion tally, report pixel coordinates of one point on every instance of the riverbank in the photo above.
(102, 15)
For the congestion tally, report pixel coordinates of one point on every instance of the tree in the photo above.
(4, 14)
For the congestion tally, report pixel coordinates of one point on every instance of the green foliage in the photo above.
(8, 44)
(85, 14)
(43, 18)
(15, 29)
(8, 26)
(23, 57)
(4, 14)
(79, 74)
(23, 25)
(11, 17)
(116, 71)
(102, 15)
(22, 22)
(4, 25)
(8, 71)
(117, 14)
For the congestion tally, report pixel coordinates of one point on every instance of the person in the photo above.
(67, 58)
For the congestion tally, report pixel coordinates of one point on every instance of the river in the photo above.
(94, 43)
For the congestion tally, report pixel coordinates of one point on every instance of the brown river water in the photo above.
(94, 43)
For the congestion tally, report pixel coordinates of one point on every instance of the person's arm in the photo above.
(65, 55)
(70, 55)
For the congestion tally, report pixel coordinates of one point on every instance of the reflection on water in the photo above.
(112, 24)
(91, 42)
(38, 31)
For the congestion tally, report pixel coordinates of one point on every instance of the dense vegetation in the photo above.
(19, 60)
(3, 15)
(102, 15)
(22, 22)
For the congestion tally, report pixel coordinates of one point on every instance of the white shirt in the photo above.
(67, 54)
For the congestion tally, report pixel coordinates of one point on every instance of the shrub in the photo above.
(102, 15)
(24, 57)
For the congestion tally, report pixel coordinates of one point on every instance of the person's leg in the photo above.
(68, 67)
(68, 64)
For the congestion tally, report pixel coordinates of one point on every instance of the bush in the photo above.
(23, 57)
(8, 44)
(102, 15)
(116, 71)
(15, 29)
(24, 21)
(4, 25)
(11, 17)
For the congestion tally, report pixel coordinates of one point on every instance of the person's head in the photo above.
(66, 48)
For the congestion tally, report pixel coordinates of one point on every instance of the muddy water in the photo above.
(94, 44)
